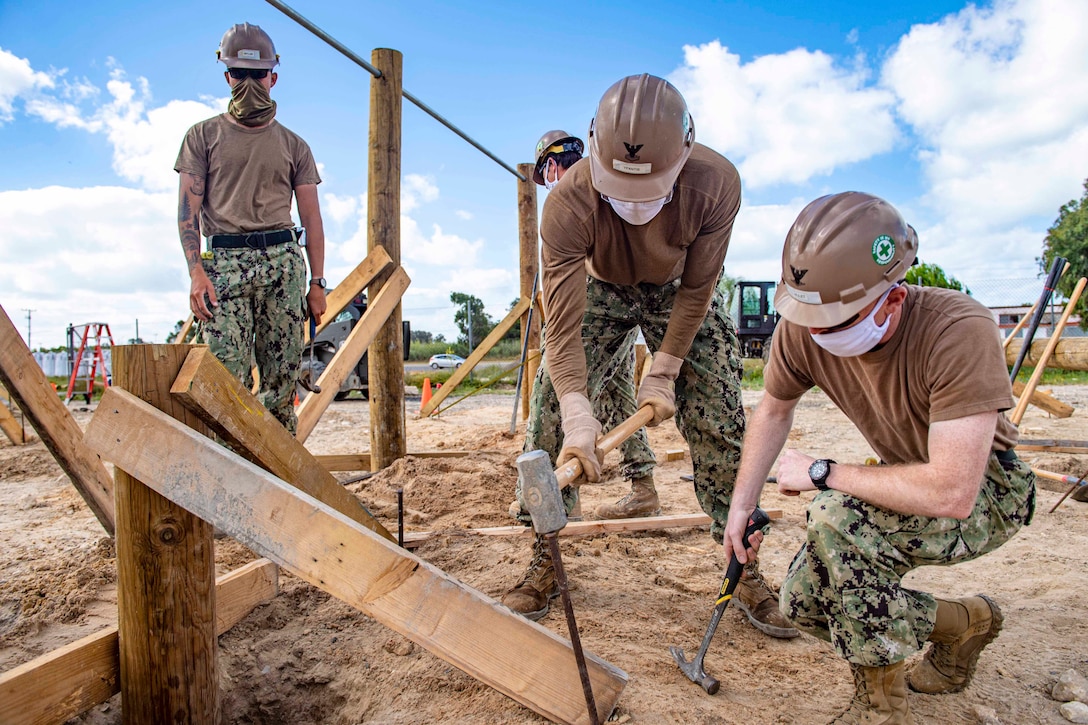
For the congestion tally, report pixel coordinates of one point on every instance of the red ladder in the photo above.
(96, 363)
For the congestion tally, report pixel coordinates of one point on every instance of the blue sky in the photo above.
(972, 119)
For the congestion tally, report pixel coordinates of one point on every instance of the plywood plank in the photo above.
(322, 546)
(31, 391)
(349, 354)
(70, 680)
(477, 355)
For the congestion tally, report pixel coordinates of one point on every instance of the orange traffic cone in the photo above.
(426, 397)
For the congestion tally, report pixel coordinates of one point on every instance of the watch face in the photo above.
(818, 470)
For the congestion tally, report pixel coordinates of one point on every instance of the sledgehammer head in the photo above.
(540, 489)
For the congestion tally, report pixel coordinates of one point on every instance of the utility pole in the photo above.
(28, 311)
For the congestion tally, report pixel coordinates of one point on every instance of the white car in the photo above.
(446, 361)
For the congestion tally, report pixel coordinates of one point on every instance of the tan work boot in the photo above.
(642, 501)
(758, 599)
(964, 627)
(880, 697)
(531, 596)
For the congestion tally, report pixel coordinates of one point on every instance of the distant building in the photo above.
(1008, 317)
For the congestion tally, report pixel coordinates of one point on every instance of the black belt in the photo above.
(1007, 458)
(253, 240)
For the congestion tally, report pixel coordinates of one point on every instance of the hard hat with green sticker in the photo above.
(883, 249)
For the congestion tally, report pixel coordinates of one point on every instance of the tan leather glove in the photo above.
(656, 389)
(580, 432)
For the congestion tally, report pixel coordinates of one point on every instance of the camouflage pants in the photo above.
(845, 584)
(708, 404)
(259, 318)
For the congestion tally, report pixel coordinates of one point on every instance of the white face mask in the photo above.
(637, 212)
(857, 339)
(551, 166)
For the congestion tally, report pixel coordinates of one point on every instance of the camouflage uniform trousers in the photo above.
(259, 318)
(710, 415)
(845, 584)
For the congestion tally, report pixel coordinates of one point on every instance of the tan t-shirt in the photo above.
(944, 361)
(249, 174)
(687, 240)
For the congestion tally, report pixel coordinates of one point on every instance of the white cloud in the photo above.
(998, 97)
(786, 117)
(464, 215)
(416, 189)
(17, 79)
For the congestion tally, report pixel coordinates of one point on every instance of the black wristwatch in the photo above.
(819, 471)
(319, 281)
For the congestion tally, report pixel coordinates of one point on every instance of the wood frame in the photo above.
(318, 544)
(349, 354)
(208, 389)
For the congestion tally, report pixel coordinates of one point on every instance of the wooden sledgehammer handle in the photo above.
(611, 440)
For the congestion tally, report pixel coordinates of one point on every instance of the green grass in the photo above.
(1052, 376)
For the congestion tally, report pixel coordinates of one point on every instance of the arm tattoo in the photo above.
(185, 209)
(198, 186)
(190, 244)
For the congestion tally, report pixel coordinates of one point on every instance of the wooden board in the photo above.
(10, 426)
(1052, 445)
(580, 528)
(349, 354)
(357, 280)
(70, 680)
(1044, 401)
(453, 621)
(1071, 353)
(32, 392)
(361, 461)
(208, 389)
(477, 355)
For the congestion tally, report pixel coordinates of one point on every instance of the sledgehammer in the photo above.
(694, 669)
(540, 489)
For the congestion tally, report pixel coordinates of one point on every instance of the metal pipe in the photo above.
(294, 15)
(1056, 270)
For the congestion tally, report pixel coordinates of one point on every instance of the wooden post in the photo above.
(528, 234)
(386, 358)
(1070, 353)
(165, 572)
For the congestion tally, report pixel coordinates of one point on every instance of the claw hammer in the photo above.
(694, 669)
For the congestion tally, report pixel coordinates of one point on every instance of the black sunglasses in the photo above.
(240, 73)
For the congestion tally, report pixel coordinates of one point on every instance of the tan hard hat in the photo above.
(554, 142)
(247, 46)
(639, 139)
(844, 251)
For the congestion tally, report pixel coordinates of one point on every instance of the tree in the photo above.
(173, 336)
(481, 321)
(728, 286)
(422, 336)
(1068, 238)
(931, 275)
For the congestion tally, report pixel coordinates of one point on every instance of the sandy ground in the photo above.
(308, 658)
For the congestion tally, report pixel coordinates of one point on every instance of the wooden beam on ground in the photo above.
(357, 280)
(10, 426)
(361, 461)
(1044, 401)
(349, 354)
(1052, 445)
(208, 389)
(31, 391)
(325, 548)
(580, 528)
(476, 356)
(68, 681)
(1071, 353)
